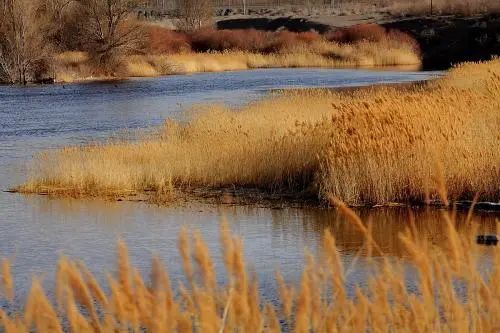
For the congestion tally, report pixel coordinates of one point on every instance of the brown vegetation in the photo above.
(195, 14)
(37, 37)
(107, 29)
(31, 32)
(24, 53)
(37, 31)
(373, 33)
(208, 50)
(251, 40)
(453, 293)
(373, 145)
(164, 41)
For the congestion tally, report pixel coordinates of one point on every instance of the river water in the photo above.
(35, 230)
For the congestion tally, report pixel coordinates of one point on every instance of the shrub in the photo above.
(165, 41)
(249, 40)
(72, 58)
(400, 37)
(108, 33)
(372, 33)
(255, 40)
(360, 32)
(220, 40)
(24, 51)
(286, 40)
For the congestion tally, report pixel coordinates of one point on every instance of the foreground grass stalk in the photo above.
(321, 304)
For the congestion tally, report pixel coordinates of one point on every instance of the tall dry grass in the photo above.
(453, 293)
(372, 145)
(72, 66)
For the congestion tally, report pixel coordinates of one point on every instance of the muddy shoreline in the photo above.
(262, 199)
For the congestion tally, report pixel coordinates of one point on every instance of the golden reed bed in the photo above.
(321, 54)
(374, 145)
(75, 66)
(452, 295)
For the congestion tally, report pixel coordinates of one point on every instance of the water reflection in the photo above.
(87, 230)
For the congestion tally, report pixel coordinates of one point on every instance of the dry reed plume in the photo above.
(453, 295)
(373, 145)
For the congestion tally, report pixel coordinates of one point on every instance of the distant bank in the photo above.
(444, 40)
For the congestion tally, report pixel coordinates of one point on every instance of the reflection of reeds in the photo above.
(386, 225)
(375, 145)
(7, 283)
(321, 303)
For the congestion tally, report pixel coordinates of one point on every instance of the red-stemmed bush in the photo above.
(368, 32)
(220, 40)
(249, 40)
(161, 40)
(373, 33)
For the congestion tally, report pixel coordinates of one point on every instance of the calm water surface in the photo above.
(34, 230)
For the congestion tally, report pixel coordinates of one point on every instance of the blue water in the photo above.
(34, 230)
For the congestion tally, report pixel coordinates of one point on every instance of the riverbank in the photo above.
(317, 53)
(372, 146)
(444, 40)
(432, 42)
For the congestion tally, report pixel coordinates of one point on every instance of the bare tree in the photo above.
(23, 50)
(195, 14)
(106, 28)
(59, 22)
